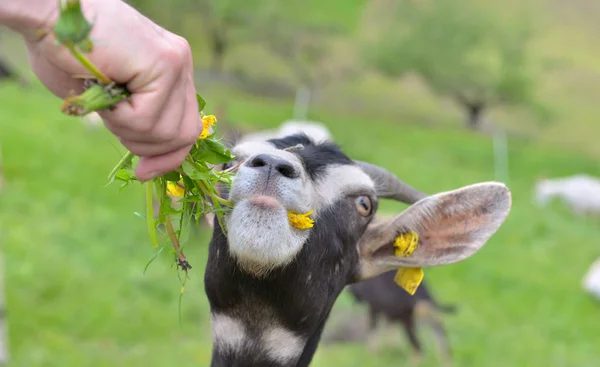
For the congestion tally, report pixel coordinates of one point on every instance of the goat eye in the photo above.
(364, 205)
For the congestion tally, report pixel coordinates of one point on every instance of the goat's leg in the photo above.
(411, 333)
(373, 344)
(428, 311)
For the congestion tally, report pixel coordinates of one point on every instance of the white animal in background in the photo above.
(580, 192)
(314, 130)
(591, 281)
(92, 120)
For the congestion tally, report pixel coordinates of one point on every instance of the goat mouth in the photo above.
(265, 202)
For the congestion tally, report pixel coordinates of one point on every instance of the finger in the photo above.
(187, 134)
(60, 83)
(149, 167)
(172, 135)
(166, 124)
(154, 166)
(144, 108)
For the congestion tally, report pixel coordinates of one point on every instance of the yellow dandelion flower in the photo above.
(405, 244)
(301, 221)
(209, 119)
(174, 190)
(207, 122)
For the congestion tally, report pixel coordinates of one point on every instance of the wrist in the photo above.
(28, 17)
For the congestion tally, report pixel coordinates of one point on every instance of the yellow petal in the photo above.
(209, 119)
(406, 244)
(207, 122)
(301, 221)
(205, 134)
(409, 279)
(174, 190)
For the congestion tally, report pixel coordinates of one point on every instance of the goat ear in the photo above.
(451, 226)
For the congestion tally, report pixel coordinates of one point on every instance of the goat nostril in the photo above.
(287, 170)
(275, 163)
(258, 162)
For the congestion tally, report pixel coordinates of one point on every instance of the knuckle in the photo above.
(190, 135)
(142, 126)
(189, 139)
(167, 132)
(179, 52)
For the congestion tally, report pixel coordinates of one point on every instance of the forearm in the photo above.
(27, 17)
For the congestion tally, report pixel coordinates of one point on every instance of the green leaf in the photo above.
(188, 183)
(123, 175)
(195, 171)
(124, 163)
(72, 27)
(201, 102)
(152, 259)
(211, 151)
(172, 176)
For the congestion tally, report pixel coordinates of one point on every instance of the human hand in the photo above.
(160, 122)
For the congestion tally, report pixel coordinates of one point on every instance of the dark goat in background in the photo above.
(385, 299)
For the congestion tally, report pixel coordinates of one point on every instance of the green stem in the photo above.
(206, 189)
(88, 65)
(125, 160)
(150, 214)
(219, 199)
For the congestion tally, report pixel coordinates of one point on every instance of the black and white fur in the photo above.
(271, 287)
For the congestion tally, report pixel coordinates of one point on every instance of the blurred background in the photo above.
(443, 93)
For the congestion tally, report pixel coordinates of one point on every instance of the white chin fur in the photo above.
(261, 239)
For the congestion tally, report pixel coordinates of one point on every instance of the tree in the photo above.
(220, 20)
(463, 49)
(302, 47)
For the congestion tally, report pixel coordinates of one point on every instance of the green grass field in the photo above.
(75, 251)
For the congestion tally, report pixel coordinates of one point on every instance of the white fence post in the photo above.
(501, 156)
(301, 103)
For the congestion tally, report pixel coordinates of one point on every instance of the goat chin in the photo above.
(261, 239)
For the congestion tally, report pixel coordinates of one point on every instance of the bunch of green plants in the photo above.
(194, 183)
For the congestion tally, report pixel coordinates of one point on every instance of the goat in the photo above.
(386, 300)
(271, 287)
(580, 192)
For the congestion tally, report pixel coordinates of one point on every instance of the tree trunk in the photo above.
(474, 115)
(5, 71)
